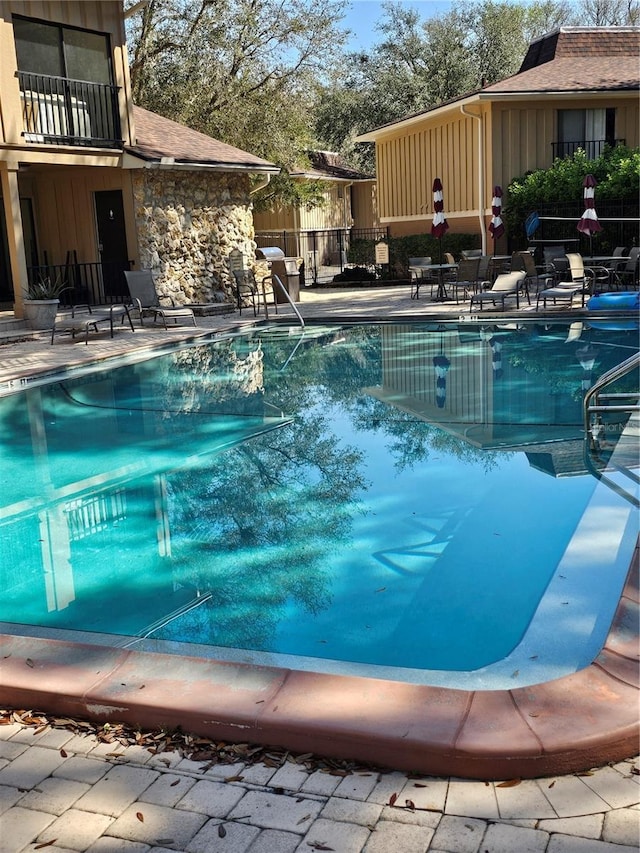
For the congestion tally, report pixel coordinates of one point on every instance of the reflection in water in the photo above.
(319, 495)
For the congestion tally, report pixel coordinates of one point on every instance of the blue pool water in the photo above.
(405, 501)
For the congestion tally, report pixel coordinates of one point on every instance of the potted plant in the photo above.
(43, 298)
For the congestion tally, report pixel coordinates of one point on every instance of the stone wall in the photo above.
(188, 222)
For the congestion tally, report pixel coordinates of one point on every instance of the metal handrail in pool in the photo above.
(289, 300)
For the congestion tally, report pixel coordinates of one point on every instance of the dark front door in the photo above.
(112, 243)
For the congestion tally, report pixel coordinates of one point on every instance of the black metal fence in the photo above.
(85, 283)
(592, 147)
(71, 112)
(325, 253)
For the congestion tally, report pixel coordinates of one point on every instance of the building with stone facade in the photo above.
(90, 184)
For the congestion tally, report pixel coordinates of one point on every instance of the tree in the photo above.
(243, 71)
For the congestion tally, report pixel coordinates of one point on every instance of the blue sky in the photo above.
(363, 15)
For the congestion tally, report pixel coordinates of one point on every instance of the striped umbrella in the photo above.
(441, 364)
(496, 226)
(440, 225)
(588, 223)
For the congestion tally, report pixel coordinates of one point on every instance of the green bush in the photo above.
(363, 252)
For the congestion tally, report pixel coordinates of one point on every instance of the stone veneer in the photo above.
(188, 222)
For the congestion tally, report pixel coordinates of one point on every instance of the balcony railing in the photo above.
(87, 283)
(592, 147)
(69, 112)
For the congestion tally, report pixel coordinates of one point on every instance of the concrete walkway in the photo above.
(62, 788)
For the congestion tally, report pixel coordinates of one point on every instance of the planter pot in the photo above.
(40, 313)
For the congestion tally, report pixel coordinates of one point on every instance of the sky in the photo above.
(363, 15)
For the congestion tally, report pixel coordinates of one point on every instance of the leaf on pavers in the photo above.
(303, 819)
(510, 783)
(419, 785)
(336, 771)
(63, 753)
(234, 778)
(410, 805)
(162, 842)
(41, 729)
(44, 844)
(392, 799)
(140, 817)
(585, 773)
(114, 755)
(318, 845)
(635, 771)
(221, 830)
(29, 662)
(173, 784)
(552, 784)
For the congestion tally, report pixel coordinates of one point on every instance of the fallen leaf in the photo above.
(140, 817)
(585, 773)
(635, 771)
(303, 819)
(419, 785)
(410, 805)
(318, 845)
(173, 784)
(29, 662)
(392, 799)
(221, 830)
(552, 784)
(234, 778)
(63, 753)
(45, 844)
(510, 783)
(162, 842)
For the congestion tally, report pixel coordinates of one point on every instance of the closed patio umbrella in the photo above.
(439, 226)
(496, 226)
(588, 223)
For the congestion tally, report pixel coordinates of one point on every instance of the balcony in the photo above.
(592, 147)
(60, 111)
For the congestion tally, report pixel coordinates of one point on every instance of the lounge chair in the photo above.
(144, 299)
(580, 283)
(84, 318)
(506, 286)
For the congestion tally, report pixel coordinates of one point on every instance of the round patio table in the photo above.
(441, 294)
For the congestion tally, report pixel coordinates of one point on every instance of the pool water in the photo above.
(405, 501)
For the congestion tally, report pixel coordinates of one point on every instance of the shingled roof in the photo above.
(161, 140)
(330, 165)
(578, 59)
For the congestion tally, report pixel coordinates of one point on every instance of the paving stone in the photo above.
(277, 811)
(159, 824)
(54, 795)
(522, 801)
(31, 767)
(366, 814)
(237, 838)
(357, 786)
(502, 838)
(185, 765)
(290, 776)
(19, 827)
(257, 774)
(120, 787)
(471, 799)
(80, 744)
(426, 793)
(166, 760)
(390, 836)
(117, 845)
(9, 797)
(614, 789)
(570, 797)
(587, 826)
(8, 731)
(221, 772)
(622, 826)
(459, 834)
(82, 769)
(52, 738)
(76, 829)
(167, 790)
(214, 799)
(320, 783)
(388, 784)
(418, 818)
(570, 844)
(342, 837)
(273, 841)
(10, 749)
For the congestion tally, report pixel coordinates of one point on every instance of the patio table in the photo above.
(439, 269)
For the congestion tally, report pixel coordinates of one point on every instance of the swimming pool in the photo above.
(404, 501)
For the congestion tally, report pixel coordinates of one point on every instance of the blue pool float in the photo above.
(628, 300)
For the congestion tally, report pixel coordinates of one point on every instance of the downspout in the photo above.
(262, 184)
(481, 175)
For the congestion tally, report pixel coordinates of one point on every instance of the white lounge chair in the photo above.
(505, 286)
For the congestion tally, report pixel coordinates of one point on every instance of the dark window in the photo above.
(62, 51)
(589, 130)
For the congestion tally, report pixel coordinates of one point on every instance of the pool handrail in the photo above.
(276, 279)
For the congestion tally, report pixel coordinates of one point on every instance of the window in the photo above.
(61, 51)
(590, 130)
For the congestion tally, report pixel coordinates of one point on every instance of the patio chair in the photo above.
(580, 283)
(419, 276)
(465, 278)
(506, 286)
(145, 300)
(81, 319)
(534, 276)
(627, 276)
(250, 293)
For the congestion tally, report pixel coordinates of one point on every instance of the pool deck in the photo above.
(565, 726)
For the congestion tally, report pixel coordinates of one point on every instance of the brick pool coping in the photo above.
(571, 724)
